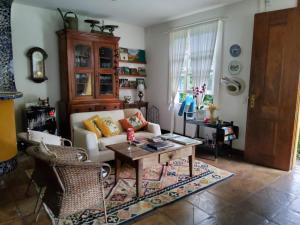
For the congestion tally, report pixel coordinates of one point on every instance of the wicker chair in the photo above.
(38, 176)
(72, 185)
(38, 137)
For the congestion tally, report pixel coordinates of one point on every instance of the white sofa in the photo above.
(96, 148)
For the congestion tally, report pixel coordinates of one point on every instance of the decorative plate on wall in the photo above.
(236, 86)
(235, 67)
(235, 50)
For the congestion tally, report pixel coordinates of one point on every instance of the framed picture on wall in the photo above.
(136, 55)
(124, 54)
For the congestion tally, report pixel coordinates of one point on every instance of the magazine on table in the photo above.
(140, 142)
(160, 145)
(168, 136)
(185, 140)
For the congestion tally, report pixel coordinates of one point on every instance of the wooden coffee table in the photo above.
(140, 159)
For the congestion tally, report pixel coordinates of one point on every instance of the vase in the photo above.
(212, 117)
(200, 115)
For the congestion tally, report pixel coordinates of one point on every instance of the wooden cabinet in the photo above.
(88, 68)
(82, 108)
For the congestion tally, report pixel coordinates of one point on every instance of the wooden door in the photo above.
(273, 96)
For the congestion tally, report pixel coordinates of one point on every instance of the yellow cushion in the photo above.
(91, 125)
(108, 127)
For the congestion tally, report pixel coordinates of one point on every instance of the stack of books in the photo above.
(160, 145)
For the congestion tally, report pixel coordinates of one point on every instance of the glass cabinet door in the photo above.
(106, 84)
(82, 56)
(106, 58)
(83, 84)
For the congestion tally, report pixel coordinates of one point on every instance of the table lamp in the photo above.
(141, 89)
(8, 92)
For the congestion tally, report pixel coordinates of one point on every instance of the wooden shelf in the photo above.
(127, 88)
(133, 62)
(132, 75)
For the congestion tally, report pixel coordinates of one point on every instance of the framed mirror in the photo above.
(37, 57)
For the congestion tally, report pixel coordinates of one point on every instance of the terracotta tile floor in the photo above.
(255, 195)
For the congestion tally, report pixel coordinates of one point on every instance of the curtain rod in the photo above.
(195, 24)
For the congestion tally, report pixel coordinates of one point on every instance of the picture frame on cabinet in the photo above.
(126, 70)
(142, 71)
(132, 84)
(123, 83)
(140, 81)
(133, 71)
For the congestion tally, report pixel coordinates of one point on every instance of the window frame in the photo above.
(187, 76)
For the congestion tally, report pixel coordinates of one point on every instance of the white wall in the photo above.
(36, 27)
(238, 28)
(279, 4)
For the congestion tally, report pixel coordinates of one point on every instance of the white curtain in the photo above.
(177, 48)
(218, 61)
(202, 48)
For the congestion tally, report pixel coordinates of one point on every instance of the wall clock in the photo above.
(235, 67)
(37, 57)
(235, 50)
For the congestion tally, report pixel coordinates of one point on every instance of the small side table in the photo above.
(220, 134)
(137, 105)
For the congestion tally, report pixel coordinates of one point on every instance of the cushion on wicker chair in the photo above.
(38, 136)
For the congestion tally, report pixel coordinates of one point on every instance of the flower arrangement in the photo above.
(198, 94)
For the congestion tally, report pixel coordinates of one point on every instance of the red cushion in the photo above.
(137, 122)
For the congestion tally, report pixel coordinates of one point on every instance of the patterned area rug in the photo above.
(161, 185)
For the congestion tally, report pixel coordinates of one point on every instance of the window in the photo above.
(186, 83)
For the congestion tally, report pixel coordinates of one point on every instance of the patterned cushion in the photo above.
(91, 125)
(137, 122)
(108, 127)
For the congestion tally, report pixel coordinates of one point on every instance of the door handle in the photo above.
(252, 101)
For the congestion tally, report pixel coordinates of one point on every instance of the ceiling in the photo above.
(140, 12)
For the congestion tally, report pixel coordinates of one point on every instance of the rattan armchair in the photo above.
(41, 169)
(72, 185)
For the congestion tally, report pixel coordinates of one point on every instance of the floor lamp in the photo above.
(8, 92)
